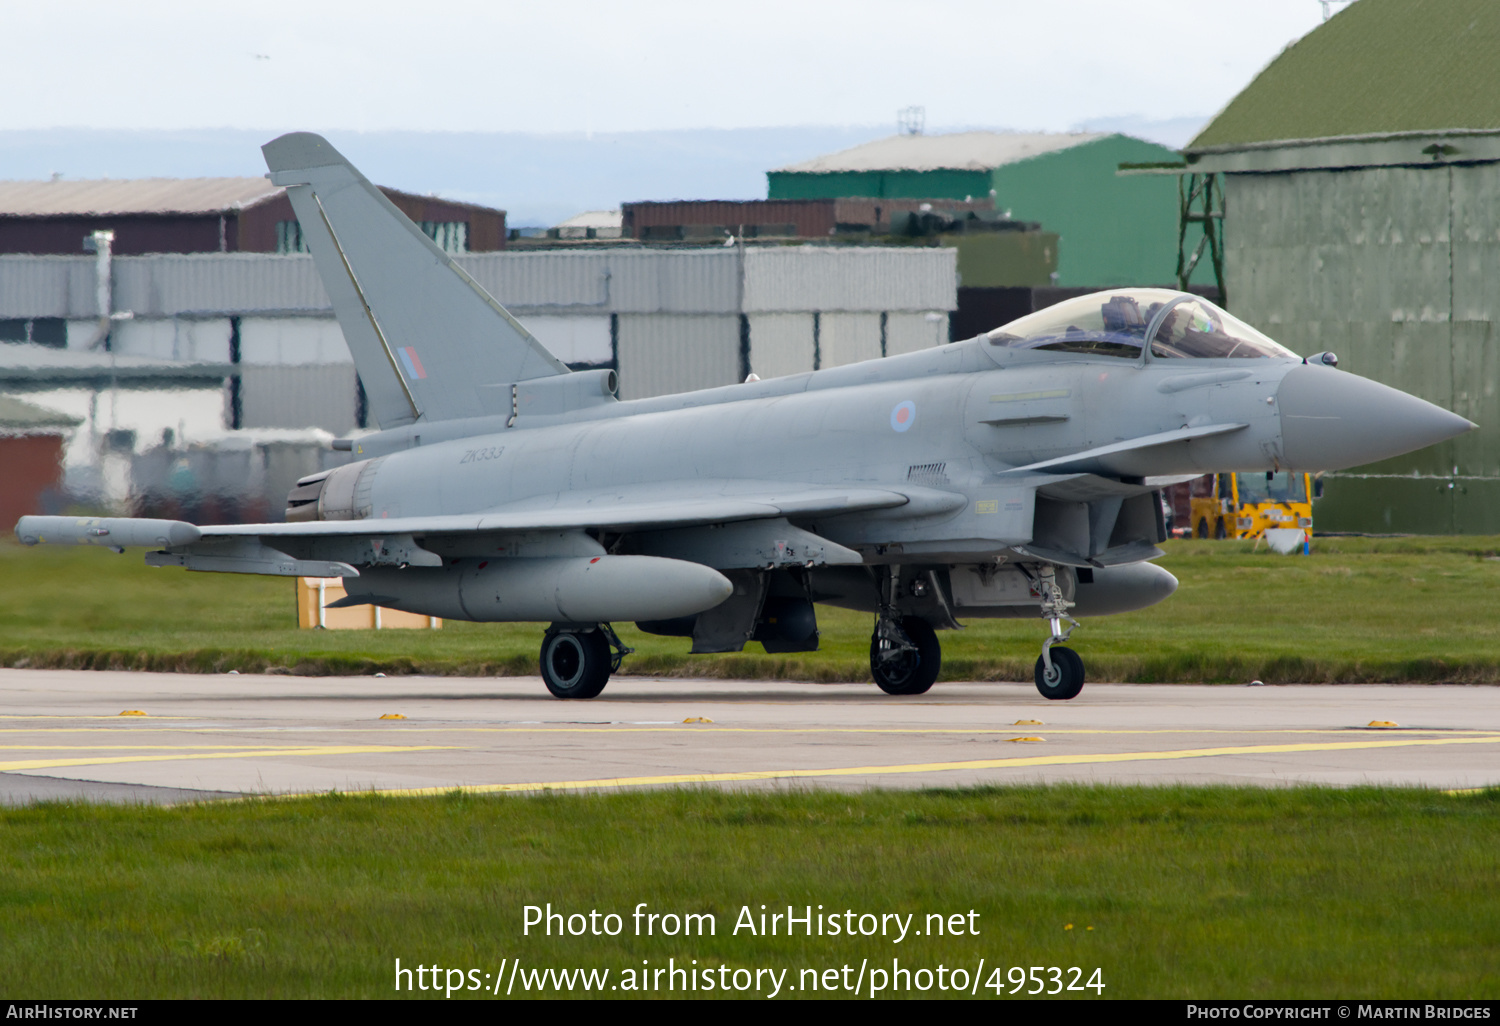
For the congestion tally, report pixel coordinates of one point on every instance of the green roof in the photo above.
(1378, 67)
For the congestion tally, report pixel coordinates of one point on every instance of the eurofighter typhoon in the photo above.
(1015, 474)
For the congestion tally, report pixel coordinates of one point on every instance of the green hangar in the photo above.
(1361, 180)
(1114, 230)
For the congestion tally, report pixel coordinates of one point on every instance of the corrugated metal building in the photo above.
(203, 215)
(671, 220)
(669, 320)
(1361, 176)
(1114, 230)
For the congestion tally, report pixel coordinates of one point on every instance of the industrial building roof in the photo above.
(1378, 67)
(593, 219)
(23, 365)
(961, 151)
(16, 415)
(132, 196)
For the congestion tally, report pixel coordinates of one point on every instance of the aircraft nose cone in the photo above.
(1332, 419)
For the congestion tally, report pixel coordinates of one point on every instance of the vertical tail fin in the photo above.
(428, 341)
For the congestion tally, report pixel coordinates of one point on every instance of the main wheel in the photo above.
(575, 665)
(911, 672)
(1220, 531)
(1064, 679)
(1202, 531)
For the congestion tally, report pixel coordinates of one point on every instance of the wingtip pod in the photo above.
(111, 532)
(297, 151)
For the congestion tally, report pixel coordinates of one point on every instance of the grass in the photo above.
(1190, 892)
(1357, 610)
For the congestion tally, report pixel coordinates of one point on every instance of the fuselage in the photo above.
(958, 419)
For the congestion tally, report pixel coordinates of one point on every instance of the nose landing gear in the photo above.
(1059, 671)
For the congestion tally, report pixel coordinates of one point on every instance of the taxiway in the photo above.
(63, 735)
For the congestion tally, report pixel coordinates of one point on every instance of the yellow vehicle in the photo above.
(1244, 505)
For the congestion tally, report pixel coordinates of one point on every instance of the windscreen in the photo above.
(1197, 328)
(1278, 487)
(1115, 324)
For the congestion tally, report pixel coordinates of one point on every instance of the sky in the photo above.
(548, 109)
(564, 66)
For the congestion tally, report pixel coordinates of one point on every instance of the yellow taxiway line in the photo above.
(929, 767)
(1011, 729)
(31, 764)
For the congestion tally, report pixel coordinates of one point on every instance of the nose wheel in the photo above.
(1059, 671)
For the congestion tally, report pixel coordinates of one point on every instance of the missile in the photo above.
(572, 589)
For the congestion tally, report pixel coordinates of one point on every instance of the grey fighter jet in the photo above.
(1015, 474)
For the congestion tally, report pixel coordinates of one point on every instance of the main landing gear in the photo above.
(1059, 671)
(577, 659)
(904, 655)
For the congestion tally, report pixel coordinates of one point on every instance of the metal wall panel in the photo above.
(661, 354)
(813, 218)
(210, 284)
(852, 279)
(609, 281)
(311, 395)
(781, 344)
(33, 286)
(195, 341)
(847, 338)
(292, 341)
(1394, 269)
(521, 281)
(675, 280)
(573, 339)
(909, 332)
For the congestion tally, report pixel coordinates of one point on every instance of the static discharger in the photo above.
(138, 712)
(1384, 723)
(392, 716)
(697, 719)
(1027, 723)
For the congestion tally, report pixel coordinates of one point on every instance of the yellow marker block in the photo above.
(1027, 723)
(1384, 723)
(697, 719)
(393, 716)
(132, 712)
(1026, 739)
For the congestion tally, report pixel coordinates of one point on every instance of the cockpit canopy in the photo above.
(1121, 322)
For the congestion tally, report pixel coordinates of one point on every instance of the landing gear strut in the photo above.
(905, 655)
(1059, 671)
(577, 660)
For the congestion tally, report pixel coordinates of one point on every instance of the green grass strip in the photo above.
(1171, 892)
(1419, 610)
